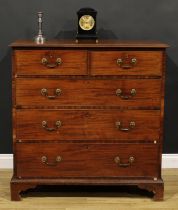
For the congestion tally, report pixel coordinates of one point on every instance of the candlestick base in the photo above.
(40, 39)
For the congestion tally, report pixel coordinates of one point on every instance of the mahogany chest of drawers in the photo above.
(88, 114)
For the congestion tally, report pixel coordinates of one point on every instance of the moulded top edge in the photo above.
(90, 44)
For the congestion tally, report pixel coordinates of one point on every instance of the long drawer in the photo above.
(120, 92)
(88, 124)
(126, 62)
(86, 160)
(51, 62)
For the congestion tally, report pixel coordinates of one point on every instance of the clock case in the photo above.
(84, 34)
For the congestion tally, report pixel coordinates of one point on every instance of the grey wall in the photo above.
(128, 19)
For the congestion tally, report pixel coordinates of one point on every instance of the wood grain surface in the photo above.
(87, 160)
(88, 92)
(29, 62)
(91, 197)
(105, 62)
(58, 43)
(88, 125)
(94, 124)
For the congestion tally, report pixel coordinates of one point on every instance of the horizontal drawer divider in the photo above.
(93, 180)
(85, 108)
(88, 77)
(88, 141)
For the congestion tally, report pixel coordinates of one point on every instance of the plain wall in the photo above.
(124, 20)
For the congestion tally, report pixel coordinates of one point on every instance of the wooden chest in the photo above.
(88, 114)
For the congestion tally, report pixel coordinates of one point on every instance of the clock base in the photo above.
(80, 40)
(85, 36)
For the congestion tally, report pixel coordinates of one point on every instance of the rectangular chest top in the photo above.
(90, 44)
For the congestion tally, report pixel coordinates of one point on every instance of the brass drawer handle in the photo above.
(49, 64)
(118, 161)
(120, 94)
(58, 124)
(126, 63)
(44, 160)
(119, 126)
(57, 92)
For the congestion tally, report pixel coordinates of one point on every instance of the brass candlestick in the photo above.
(40, 39)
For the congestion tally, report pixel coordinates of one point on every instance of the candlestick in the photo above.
(40, 39)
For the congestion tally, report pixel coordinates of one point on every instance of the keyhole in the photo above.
(87, 114)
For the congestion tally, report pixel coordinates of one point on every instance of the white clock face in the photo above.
(86, 22)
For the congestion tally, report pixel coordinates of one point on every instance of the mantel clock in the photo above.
(86, 24)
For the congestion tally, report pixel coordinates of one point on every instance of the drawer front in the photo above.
(88, 125)
(51, 62)
(87, 160)
(126, 63)
(51, 92)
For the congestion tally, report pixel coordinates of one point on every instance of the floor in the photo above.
(90, 198)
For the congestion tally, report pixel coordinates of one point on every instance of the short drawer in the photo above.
(51, 62)
(88, 124)
(126, 62)
(87, 160)
(52, 92)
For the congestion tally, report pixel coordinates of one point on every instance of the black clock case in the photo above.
(82, 34)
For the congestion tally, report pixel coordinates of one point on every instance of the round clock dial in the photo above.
(86, 22)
